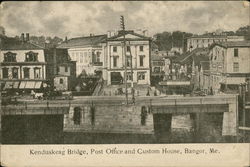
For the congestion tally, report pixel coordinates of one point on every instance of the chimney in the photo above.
(27, 37)
(66, 39)
(109, 34)
(22, 37)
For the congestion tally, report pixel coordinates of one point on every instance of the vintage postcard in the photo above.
(125, 83)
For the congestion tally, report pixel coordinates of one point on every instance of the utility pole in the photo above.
(124, 47)
(172, 40)
(132, 80)
(183, 42)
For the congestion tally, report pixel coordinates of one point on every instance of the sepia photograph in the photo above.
(124, 72)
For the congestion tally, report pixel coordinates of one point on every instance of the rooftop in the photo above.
(83, 41)
(187, 57)
(208, 36)
(121, 33)
(230, 44)
(7, 43)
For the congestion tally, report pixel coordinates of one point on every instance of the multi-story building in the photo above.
(203, 41)
(137, 53)
(23, 65)
(87, 52)
(61, 70)
(229, 65)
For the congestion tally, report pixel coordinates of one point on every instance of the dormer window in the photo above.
(31, 57)
(9, 57)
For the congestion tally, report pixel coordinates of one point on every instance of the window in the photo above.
(77, 57)
(236, 53)
(128, 48)
(31, 57)
(115, 61)
(96, 57)
(81, 57)
(114, 48)
(128, 61)
(129, 76)
(15, 73)
(61, 81)
(141, 60)
(5, 72)
(36, 73)
(141, 75)
(26, 73)
(157, 69)
(236, 67)
(141, 48)
(9, 57)
(85, 57)
(66, 68)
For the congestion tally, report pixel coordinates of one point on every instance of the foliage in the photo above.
(165, 40)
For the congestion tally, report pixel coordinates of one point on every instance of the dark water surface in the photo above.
(48, 129)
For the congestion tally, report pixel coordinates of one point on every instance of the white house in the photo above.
(87, 52)
(23, 64)
(138, 57)
(204, 41)
(229, 64)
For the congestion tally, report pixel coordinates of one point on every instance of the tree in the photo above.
(2, 30)
(244, 31)
(166, 40)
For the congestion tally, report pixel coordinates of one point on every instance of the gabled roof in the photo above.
(7, 43)
(232, 44)
(131, 32)
(83, 41)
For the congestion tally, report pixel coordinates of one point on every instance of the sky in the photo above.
(79, 18)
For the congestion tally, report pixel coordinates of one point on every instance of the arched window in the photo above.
(31, 56)
(143, 115)
(61, 81)
(15, 73)
(9, 57)
(77, 115)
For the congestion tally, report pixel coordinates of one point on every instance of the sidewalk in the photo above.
(140, 90)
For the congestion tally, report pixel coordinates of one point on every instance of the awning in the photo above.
(8, 85)
(22, 85)
(30, 85)
(16, 84)
(38, 85)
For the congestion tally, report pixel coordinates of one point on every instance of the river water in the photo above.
(47, 129)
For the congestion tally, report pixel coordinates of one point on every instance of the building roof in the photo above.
(208, 36)
(7, 43)
(121, 33)
(196, 54)
(83, 41)
(231, 44)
